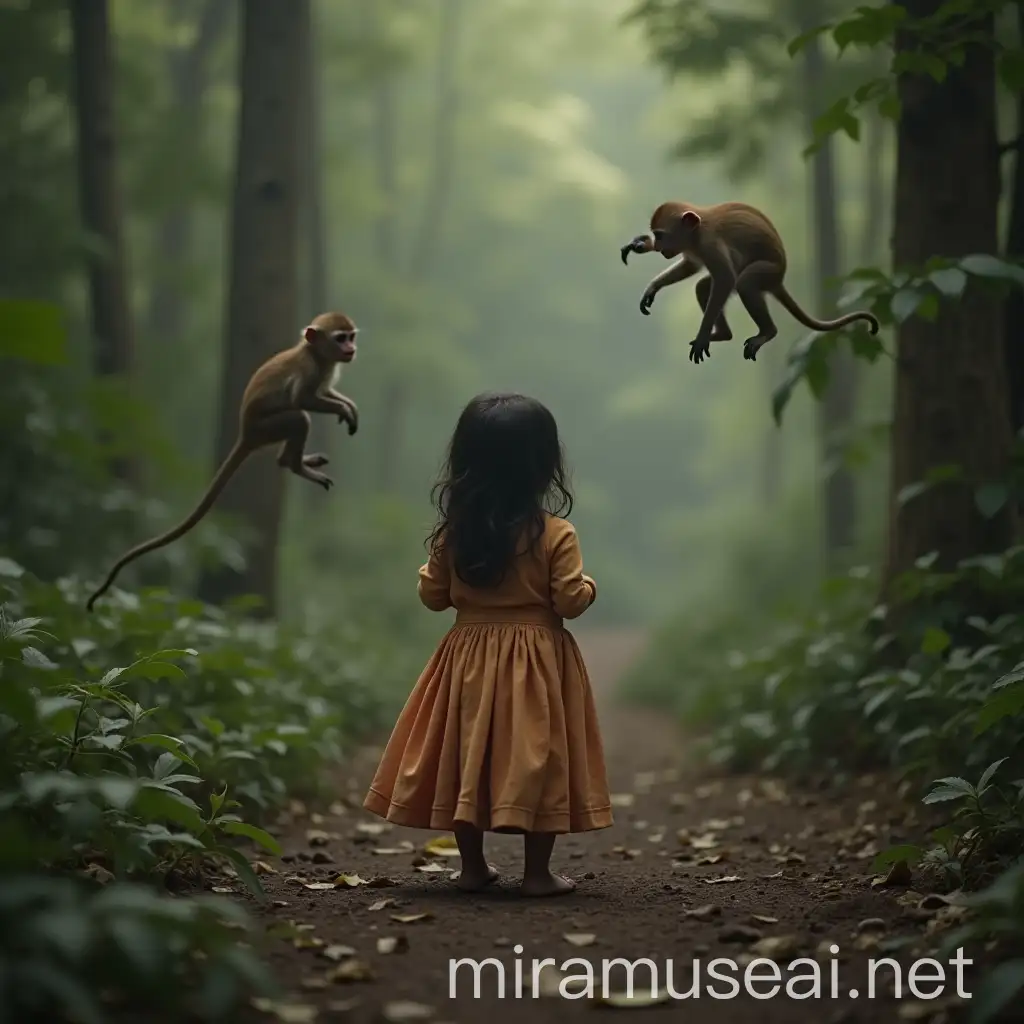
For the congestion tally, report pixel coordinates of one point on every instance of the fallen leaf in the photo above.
(704, 913)
(337, 953)
(622, 799)
(373, 828)
(764, 919)
(708, 841)
(261, 867)
(711, 858)
(776, 874)
(776, 947)
(280, 903)
(318, 886)
(548, 981)
(870, 924)
(441, 846)
(739, 933)
(633, 1000)
(308, 942)
(338, 809)
(289, 1013)
(823, 951)
(342, 1006)
(381, 904)
(98, 873)
(394, 851)
(351, 970)
(865, 942)
(314, 983)
(432, 868)
(392, 944)
(411, 918)
(222, 888)
(724, 878)
(348, 882)
(580, 939)
(317, 837)
(381, 882)
(679, 800)
(899, 875)
(402, 1012)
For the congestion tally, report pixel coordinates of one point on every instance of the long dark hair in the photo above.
(505, 468)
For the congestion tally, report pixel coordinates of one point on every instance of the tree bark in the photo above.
(189, 70)
(313, 219)
(1013, 315)
(950, 403)
(835, 411)
(100, 196)
(262, 301)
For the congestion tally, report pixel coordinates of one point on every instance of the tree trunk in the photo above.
(396, 393)
(950, 403)
(100, 195)
(166, 321)
(312, 220)
(835, 411)
(262, 302)
(1013, 315)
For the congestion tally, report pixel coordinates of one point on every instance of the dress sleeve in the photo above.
(434, 587)
(572, 590)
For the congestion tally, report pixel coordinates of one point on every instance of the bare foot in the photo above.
(549, 885)
(475, 880)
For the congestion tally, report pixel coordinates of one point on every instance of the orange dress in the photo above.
(501, 731)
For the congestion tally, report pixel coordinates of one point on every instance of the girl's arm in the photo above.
(434, 587)
(572, 590)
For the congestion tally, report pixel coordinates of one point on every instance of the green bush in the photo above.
(120, 773)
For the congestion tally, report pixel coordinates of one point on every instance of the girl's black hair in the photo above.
(504, 469)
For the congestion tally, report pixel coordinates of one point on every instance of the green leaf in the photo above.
(910, 854)
(984, 265)
(796, 45)
(10, 569)
(905, 303)
(866, 346)
(156, 804)
(935, 641)
(171, 743)
(912, 491)
(36, 659)
(998, 988)
(990, 498)
(949, 280)
(1007, 703)
(257, 835)
(942, 794)
(32, 332)
(245, 871)
(986, 777)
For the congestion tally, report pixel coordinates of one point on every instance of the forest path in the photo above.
(756, 861)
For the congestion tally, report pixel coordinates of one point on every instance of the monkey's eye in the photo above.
(659, 235)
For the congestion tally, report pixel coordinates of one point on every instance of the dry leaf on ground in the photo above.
(392, 944)
(580, 939)
(403, 1012)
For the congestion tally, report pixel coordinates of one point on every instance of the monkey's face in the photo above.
(674, 233)
(333, 346)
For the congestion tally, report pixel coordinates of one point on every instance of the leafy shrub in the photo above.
(123, 769)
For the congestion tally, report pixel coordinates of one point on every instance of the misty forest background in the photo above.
(823, 543)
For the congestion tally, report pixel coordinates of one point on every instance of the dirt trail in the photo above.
(793, 867)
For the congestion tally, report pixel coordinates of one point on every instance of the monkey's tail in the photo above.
(793, 308)
(229, 467)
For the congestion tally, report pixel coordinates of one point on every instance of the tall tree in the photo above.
(189, 69)
(100, 195)
(262, 300)
(313, 214)
(950, 403)
(1013, 322)
(424, 249)
(836, 409)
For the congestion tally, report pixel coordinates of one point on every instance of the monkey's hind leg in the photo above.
(293, 429)
(721, 331)
(750, 286)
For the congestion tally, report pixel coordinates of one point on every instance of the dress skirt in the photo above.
(500, 731)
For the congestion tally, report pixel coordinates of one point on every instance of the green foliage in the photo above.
(129, 769)
(894, 299)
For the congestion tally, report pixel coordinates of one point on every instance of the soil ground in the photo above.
(696, 867)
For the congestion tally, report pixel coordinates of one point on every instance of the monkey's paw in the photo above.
(316, 461)
(699, 350)
(752, 346)
(647, 301)
(351, 417)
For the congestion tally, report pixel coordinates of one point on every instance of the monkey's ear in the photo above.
(690, 219)
(311, 333)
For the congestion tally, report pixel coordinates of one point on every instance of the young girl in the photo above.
(500, 732)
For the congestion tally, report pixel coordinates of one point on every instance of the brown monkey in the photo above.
(742, 251)
(275, 409)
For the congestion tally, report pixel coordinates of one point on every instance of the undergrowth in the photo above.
(141, 747)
